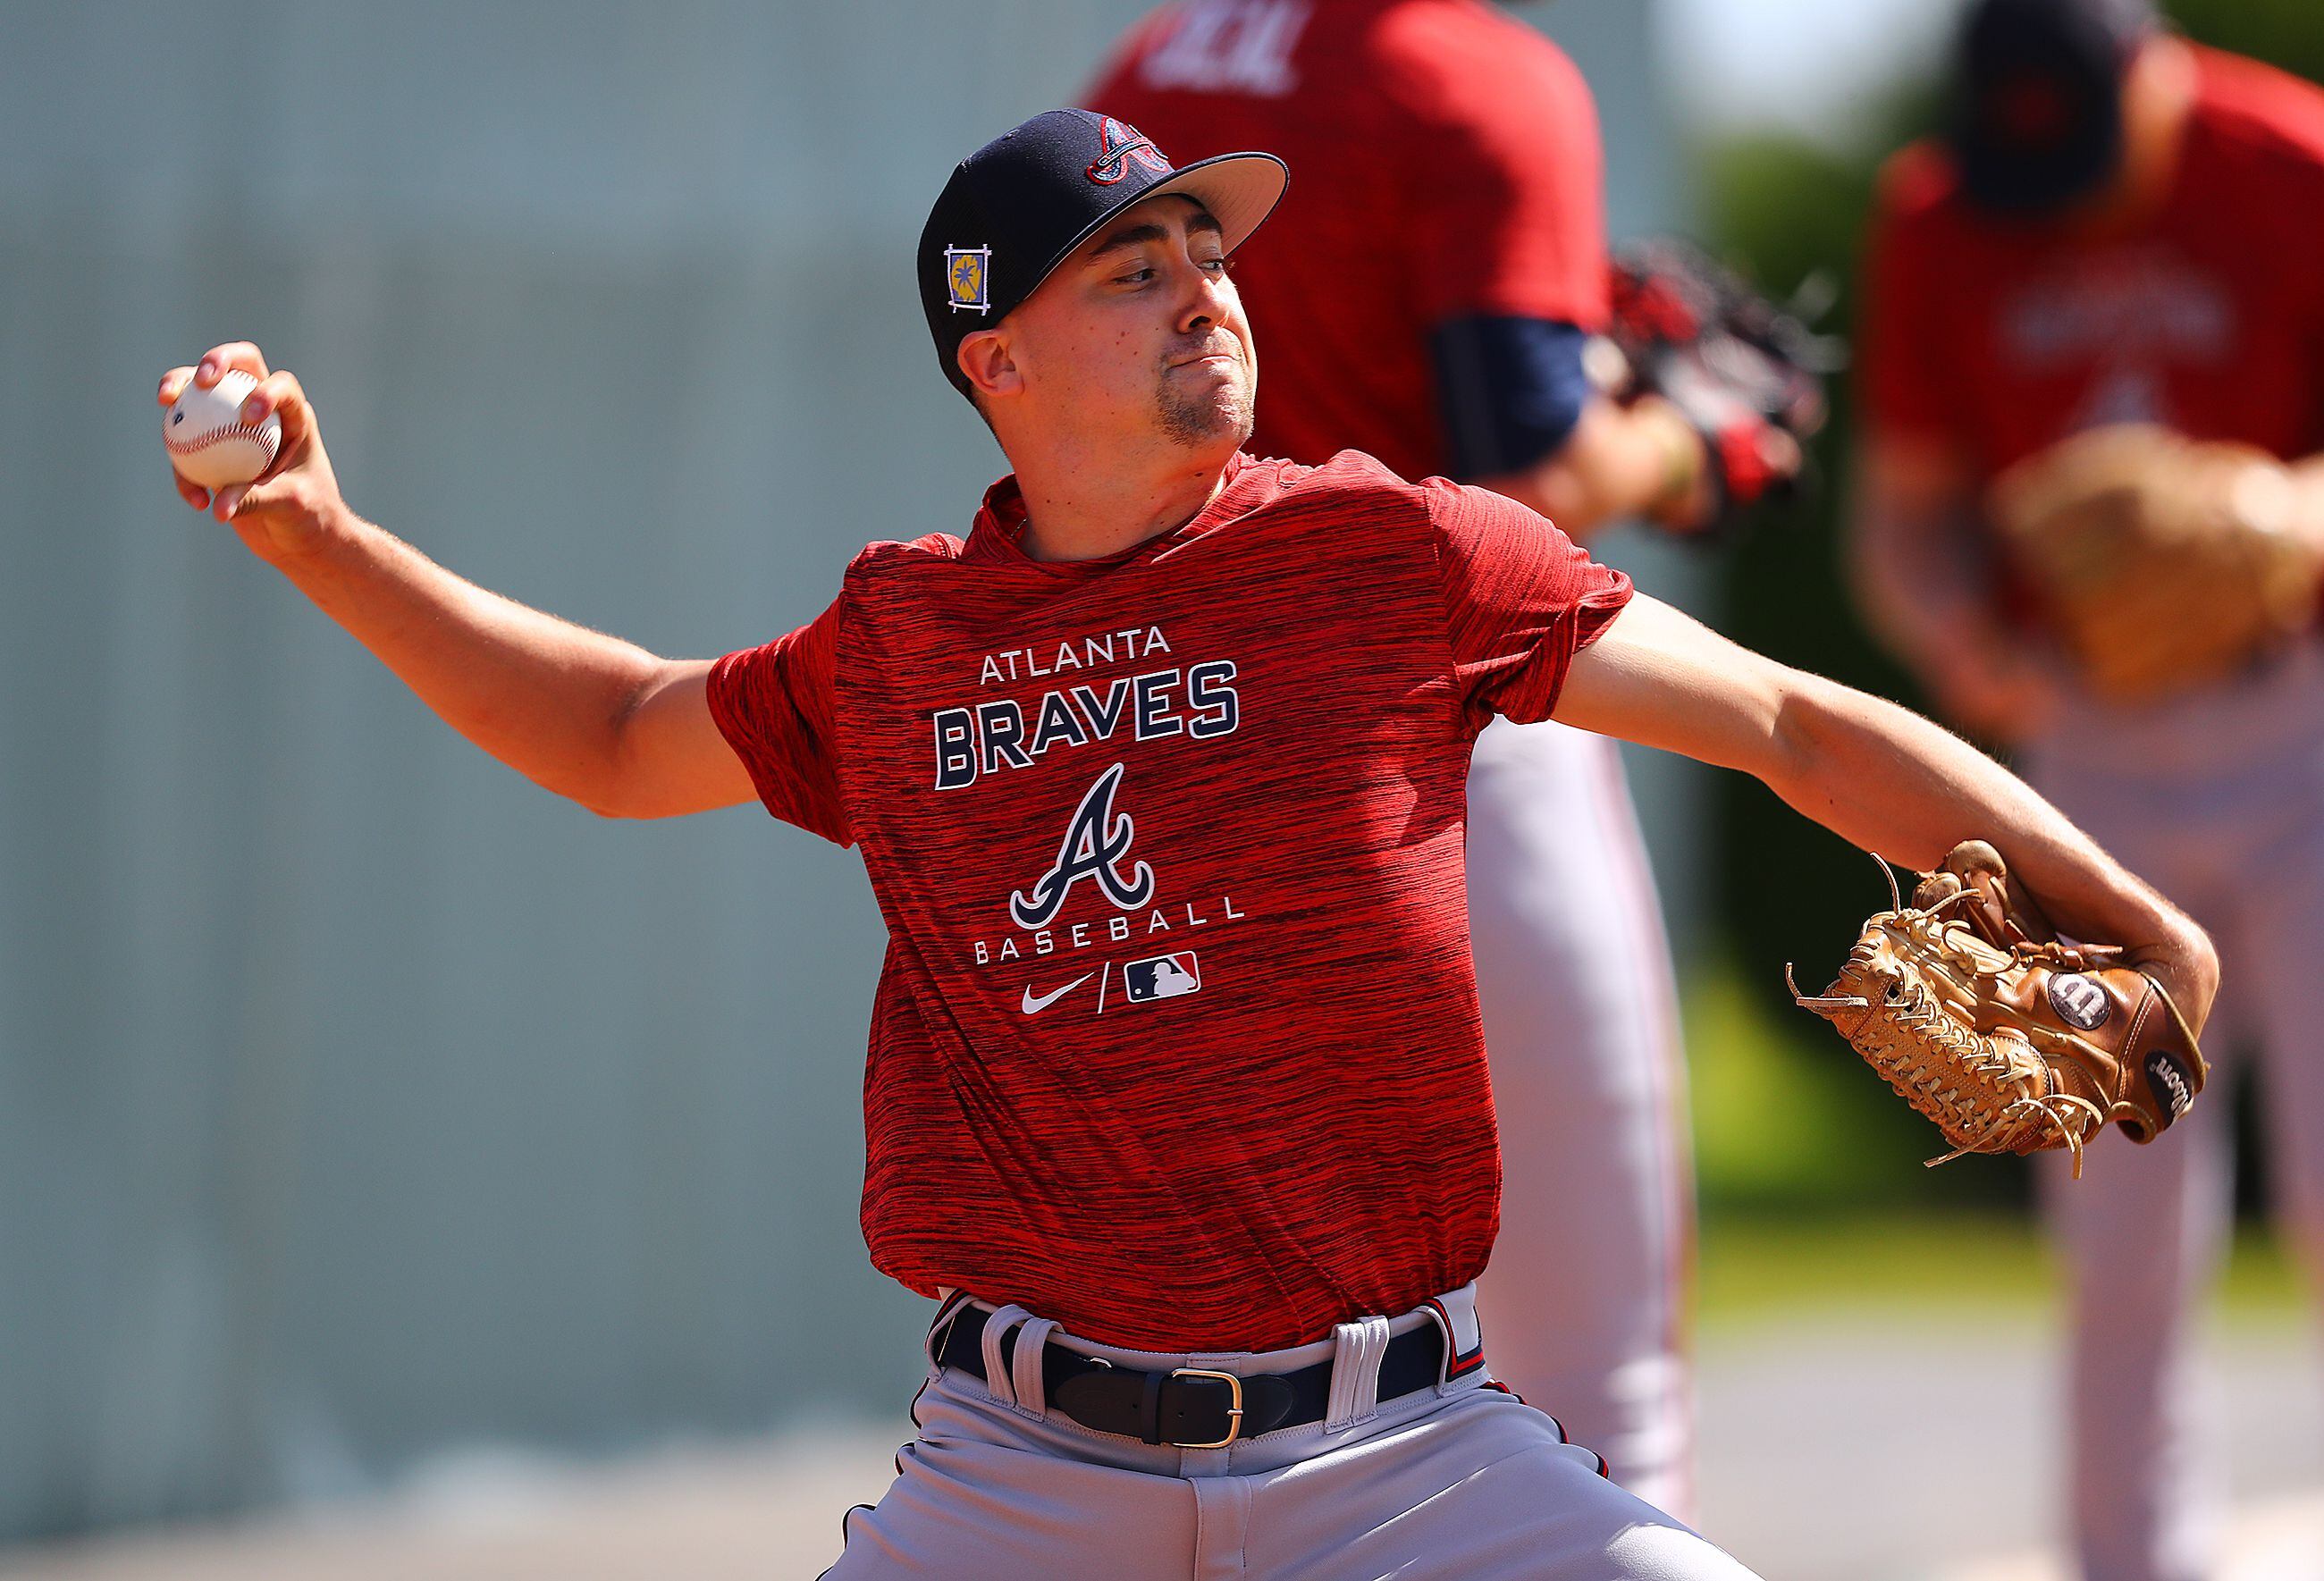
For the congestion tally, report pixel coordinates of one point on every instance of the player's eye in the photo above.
(1134, 278)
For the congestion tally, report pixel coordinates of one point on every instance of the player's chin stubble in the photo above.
(1196, 414)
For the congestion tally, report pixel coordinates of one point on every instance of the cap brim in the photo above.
(1240, 189)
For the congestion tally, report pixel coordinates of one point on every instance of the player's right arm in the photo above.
(602, 721)
(1920, 558)
(1921, 566)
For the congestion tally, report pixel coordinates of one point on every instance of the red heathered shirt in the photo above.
(2208, 316)
(1176, 1041)
(1444, 165)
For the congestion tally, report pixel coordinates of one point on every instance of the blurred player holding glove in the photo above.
(2092, 379)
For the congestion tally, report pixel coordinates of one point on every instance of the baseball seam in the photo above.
(220, 435)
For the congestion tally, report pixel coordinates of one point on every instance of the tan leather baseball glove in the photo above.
(2163, 562)
(2009, 1039)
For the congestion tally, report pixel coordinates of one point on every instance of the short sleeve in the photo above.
(1903, 378)
(1521, 599)
(1510, 193)
(1509, 390)
(774, 705)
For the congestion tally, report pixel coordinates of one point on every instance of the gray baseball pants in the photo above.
(2217, 800)
(1460, 1481)
(1585, 1296)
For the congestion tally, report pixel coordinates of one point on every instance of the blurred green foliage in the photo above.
(2288, 33)
(1786, 1117)
(1971, 1267)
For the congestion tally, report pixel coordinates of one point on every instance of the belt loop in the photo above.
(1455, 1316)
(1025, 1366)
(1000, 1382)
(1355, 1372)
(951, 1304)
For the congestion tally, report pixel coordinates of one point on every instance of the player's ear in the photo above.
(987, 362)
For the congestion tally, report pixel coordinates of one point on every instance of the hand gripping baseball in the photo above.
(2008, 1038)
(294, 503)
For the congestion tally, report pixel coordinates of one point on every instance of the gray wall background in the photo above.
(358, 1100)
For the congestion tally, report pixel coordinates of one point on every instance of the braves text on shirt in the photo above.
(1197, 699)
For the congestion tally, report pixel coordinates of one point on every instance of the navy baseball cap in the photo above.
(1016, 207)
(2036, 121)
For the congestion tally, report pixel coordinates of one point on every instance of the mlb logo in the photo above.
(967, 278)
(1162, 977)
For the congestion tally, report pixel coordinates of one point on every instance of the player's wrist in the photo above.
(308, 534)
(2186, 965)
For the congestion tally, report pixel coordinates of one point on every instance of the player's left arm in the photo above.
(1585, 469)
(1878, 776)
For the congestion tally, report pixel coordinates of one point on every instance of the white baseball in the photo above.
(209, 444)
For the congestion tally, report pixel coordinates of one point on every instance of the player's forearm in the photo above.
(1620, 463)
(545, 696)
(1891, 782)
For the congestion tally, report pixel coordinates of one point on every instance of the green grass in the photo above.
(1752, 1268)
(1814, 1198)
(1786, 1117)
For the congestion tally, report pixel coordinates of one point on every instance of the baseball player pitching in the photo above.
(1472, 141)
(1176, 1102)
(2093, 385)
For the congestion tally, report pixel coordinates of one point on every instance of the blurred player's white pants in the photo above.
(1584, 1303)
(2217, 800)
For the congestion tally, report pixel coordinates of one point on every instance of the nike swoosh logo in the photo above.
(1033, 1007)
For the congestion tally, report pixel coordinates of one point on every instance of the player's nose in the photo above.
(1208, 297)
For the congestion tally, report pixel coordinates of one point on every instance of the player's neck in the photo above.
(1078, 509)
(2158, 101)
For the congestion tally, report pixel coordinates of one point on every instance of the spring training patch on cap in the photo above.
(968, 278)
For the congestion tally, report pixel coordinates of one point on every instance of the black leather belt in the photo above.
(1189, 1408)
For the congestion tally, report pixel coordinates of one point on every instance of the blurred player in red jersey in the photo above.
(1458, 351)
(1177, 1100)
(2119, 227)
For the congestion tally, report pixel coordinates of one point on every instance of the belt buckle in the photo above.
(1234, 1411)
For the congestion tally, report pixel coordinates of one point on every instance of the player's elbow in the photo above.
(609, 810)
(600, 792)
(629, 789)
(1817, 724)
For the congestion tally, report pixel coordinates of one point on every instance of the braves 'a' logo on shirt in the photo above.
(1118, 144)
(1096, 841)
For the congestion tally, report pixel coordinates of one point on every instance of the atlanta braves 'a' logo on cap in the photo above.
(968, 278)
(1119, 142)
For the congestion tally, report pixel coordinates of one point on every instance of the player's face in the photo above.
(1141, 334)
